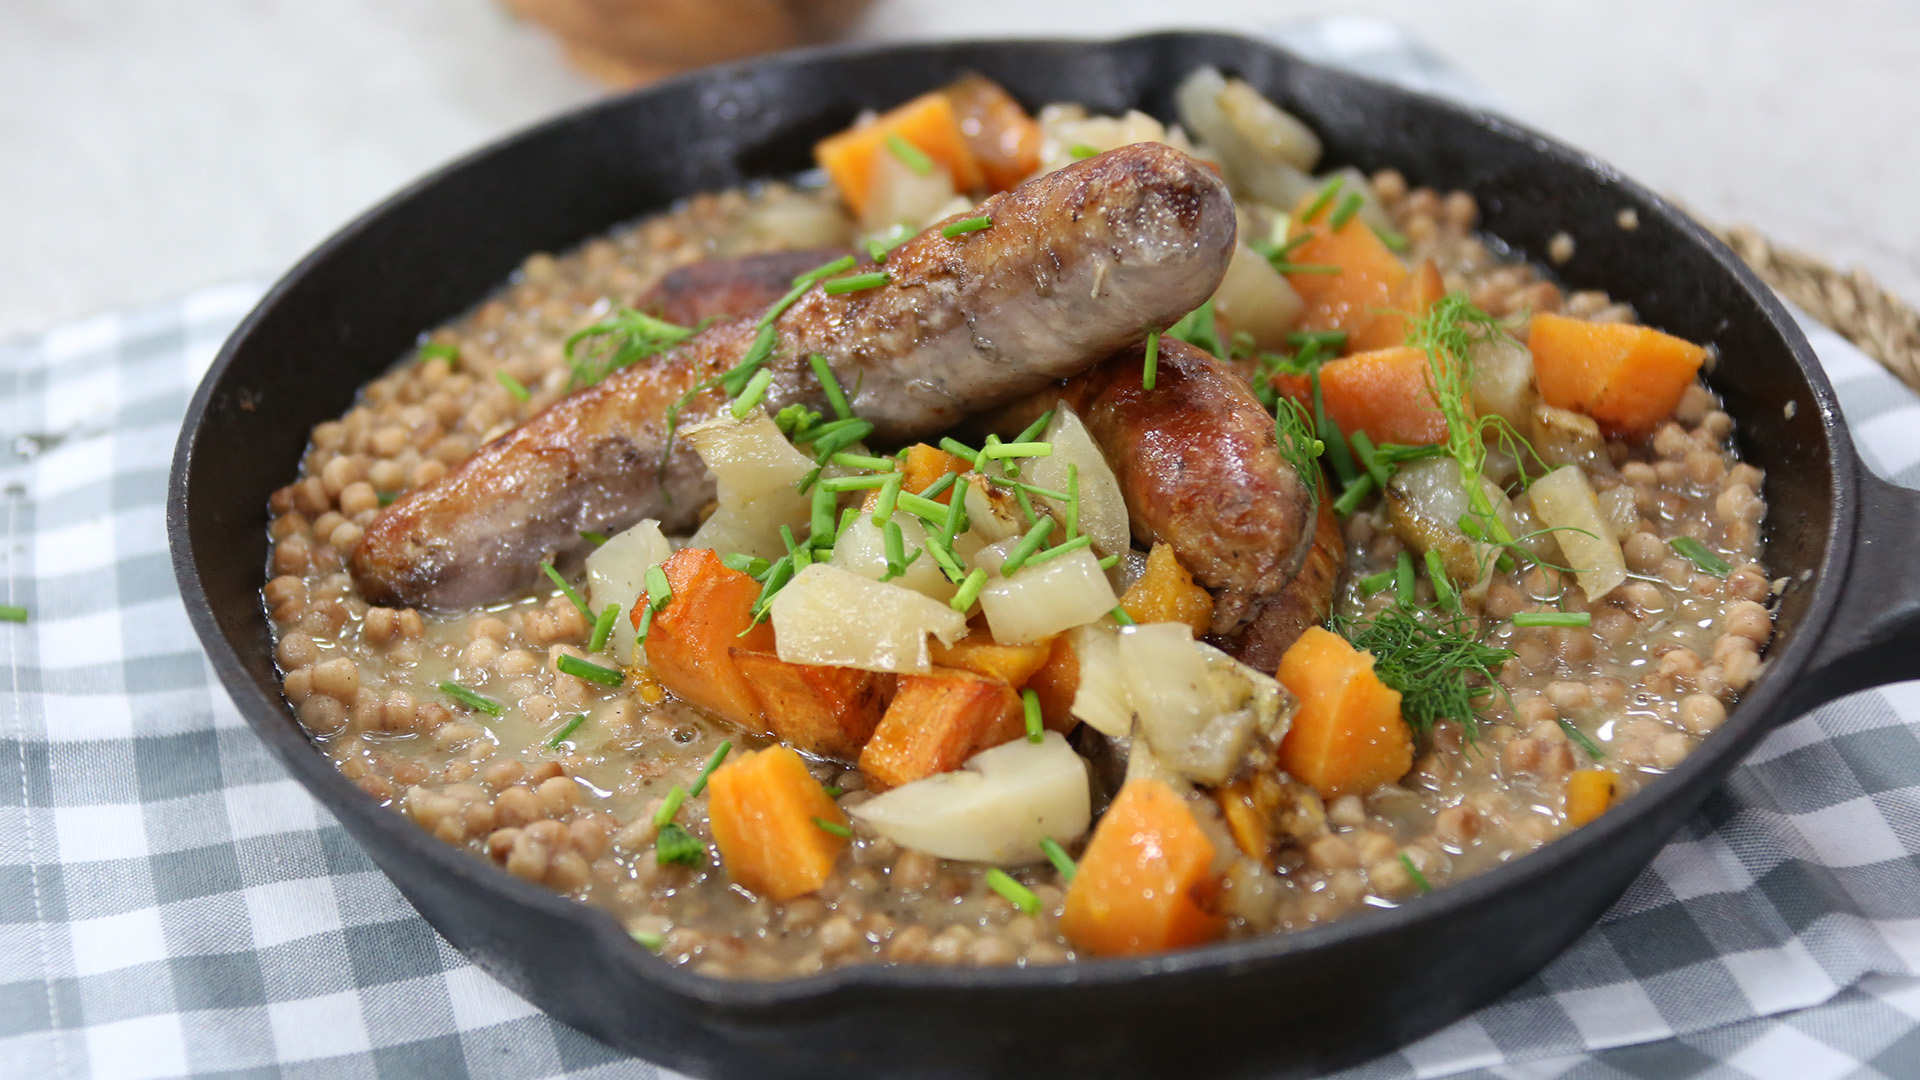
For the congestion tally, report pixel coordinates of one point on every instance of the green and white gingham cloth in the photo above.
(171, 904)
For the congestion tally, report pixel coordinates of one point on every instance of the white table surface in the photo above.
(149, 148)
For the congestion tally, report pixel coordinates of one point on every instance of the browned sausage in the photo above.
(729, 288)
(1273, 623)
(1077, 264)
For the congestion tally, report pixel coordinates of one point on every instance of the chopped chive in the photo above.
(980, 459)
(439, 350)
(1335, 440)
(1073, 500)
(1285, 267)
(659, 589)
(734, 382)
(472, 699)
(847, 517)
(1580, 739)
(1350, 499)
(856, 282)
(1026, 505)
(1471, 527)
(922, 507)
(1419, 879)
(603, 627)
(1553, 618)
(896, 551)
(780, 306)
(1062, 548)
(1348, 207)
(826, 444)
(1120, 616)
(863, 461)
(386, 497)
(1027, 545)
(826, 270)
(749, 398)
(1696, 553)
(1442, 585)
(1373, 583)
(1058, 856)
(1081, 151)
(957, 448)
(1394, 239)
(746, 564)
(1036, 727)
(1403, 579)
(854, 483)
(962, 601)
(833, 827)
(648, 940)
(1326, 339)
(956, 519)
(669, 806)
(713, 762)
(820, 530)
(1018, 449)
(590, 671)
(939, 487)
(889, 498)
(1015, 893)
(1032, 431)
(646, 624)
(1109, 562)
(910, 155)
(833, 791)
(566, 729)
(1369, 460)
(12, 613)
(594, 538)
(800, 554)
(1320, 201)
(677, 845)
(514, 386)
(571, 593)
(836, 398)
(777, 577)
(1150, 371)
(943, 556)
(966, 225)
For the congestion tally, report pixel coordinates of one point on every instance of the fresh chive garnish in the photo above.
(836, 398)
(780, 306)
(1032, 431)
(1120, 616)
(855, 483)
(1436, 660)
(1337, 453)
(386, 497)
(962, 601)
(1073, 500)
(856, 282)
(439, 350)
(1442, 585)
(1580, 739)
(590, 671)
(514, 386)
(1027, 545)
(603, 627)
(572, 594)
(956, 519)
(910, 155)
(619, 341)
(1285, 267)
(1081, 151)
(749, 398)
(826, 270)
(1018, 449)
(659, 589)
(677, 845)
(1394, 239)
(1403, 579)
(820, 529)
(1363, 450)
(646, 624)
(669, 806)
(881, 246)
(648, 940)
(843, 433)
(472, 699)
(778, 575)
(833, 827)
(749, 565)
(863, 461)
(1553, 618)
(1058, 856)
(713, 762)
(1150, 371)
(1373, 583)
(895, 543)
(1419, 879)
(833, 791)
(1342, 214)
(944, 558)
(1320, 201)
(1277, 253)
(965, 226)
(1062, 548)
(1350, 499)
(594, 538)
(12, 613)
(889, 498)
(1015, 893)
(734, 382)
(1326, 339)
(957, 448)
(1696, 553)
(1036, 727)
(922, 507)
(938, 487)
(566, 729)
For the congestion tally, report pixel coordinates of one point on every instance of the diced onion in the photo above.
(616, 574)
(1197, 707)
(993, 514)
(1103, 509)
(1254, 297)
(1265, 152)
(1101, 699)
(833, 616)
(862, 548)
(749, 458)
(1565, 502)
(897, 195)
(1275, 133)
(995, 809)
(753, 527)
(1043, 599)
(1503, 380)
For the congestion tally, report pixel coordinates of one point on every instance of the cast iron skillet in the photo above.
(1285, 1005)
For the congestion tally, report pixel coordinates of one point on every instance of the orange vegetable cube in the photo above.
(1146, 881)
(925, 466)
(765, 810)
(927, 122)
(1590, 792)
(980, 654)
(1629, 378)
(936, 722)
(1388, 329)
(1347, 737)
(1369, 272)
(1167, 593)
(814, 708)
(1003, 138)
(689, 645)
(1056, 684)
(1386, 393)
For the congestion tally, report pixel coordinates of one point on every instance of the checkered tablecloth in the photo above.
(172, 904)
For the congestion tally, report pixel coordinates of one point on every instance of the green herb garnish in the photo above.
(437, 350)
(619, 341)
(879, 247)
(1553, 618)
(566, 729)
(648, 940)
(1199, 329)
(386, 497)
(1373, 583)
(1696, 553)
(590, 671)
(603, 627)
(833, 827)
(910, 155)
(1026, 546)
(594, 538)
(1442, 585)
(1150, 371)
(1403, 580)
(1119, 615)
(472, 699)
(572, 594)
(1321, 200)
(1293, 433)
(1081, 151)
(966, 225)
(659, 589)
(677, 845)
(1036, 727)
(962, 601)
(836, 398)
(1419, 879)
(751, 394)
(713, 762)
(1437, 661)
(856, 282)
(1058, 856)
(1342, 214)
(1393, 239)
(1580, 738)
(1062, 548)
(1015, 893)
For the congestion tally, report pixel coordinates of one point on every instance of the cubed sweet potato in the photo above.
(927, 122)
(936, 722)
(689, 646)
(1409, 301)
(766, 810)
(924, 467)
(1629, 378)
(1145, 883)
(1368, 272)
(1347, 737)
(1056, 684)
(814, 708)
(1167, 593)
(980, 654)
(1590, 792)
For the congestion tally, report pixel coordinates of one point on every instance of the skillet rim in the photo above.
(1754, 714)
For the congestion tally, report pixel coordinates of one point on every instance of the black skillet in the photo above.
(1288, 1005)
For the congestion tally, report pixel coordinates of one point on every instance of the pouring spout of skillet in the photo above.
(1077, 264)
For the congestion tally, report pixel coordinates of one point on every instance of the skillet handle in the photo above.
(1874, 636)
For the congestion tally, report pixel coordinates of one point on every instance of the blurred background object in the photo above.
(627, 42)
